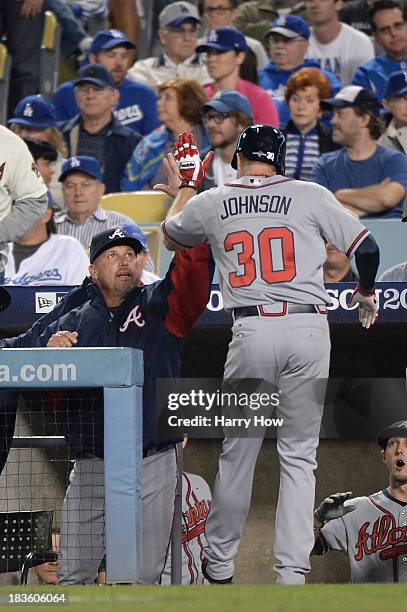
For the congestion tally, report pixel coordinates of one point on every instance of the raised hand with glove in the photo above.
(334, 507)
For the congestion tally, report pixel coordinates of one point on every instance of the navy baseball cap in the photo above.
(81, 163)
(395, 430)
(289, 26)
(108, 39)
(175, 14)
(124, 233)
(396, 85)
(34, 111)
(95, 73)
(223, 39)
(353, 96)
(229, 100)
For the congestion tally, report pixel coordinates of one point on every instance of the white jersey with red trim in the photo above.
(374, 536)
(265, 232)
(196, 503)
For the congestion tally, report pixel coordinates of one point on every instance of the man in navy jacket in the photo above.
(113, 309)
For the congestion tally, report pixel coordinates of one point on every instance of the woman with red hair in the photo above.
(307, 136)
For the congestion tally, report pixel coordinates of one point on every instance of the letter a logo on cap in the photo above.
(28, 110)
(212, 36)
(117, 234)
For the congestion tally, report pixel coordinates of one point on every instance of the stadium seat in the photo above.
(5, 67)
(50, 55)
(154, 245)
(25, 541)
(141, 206)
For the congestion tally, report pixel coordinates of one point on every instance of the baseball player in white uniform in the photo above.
(371, 530)
(267, 235)
(23, 194)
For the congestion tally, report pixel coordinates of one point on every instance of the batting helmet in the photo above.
(395, 430)
(262, 143)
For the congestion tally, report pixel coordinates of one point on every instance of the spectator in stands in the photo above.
(23, 24)
(96, 132)
(307, 137)
(23, 194)
(336, 46)
(225, 50)
(40, 256)
(395, 103)
(366, 178)
(136, 107)
(83, 188)
(178, 33)
(73, 36)
(178, 107)
(34, 117)
(395, 274)
(288, 44)
(222, 14)
(254, 17)
(389, 24)
(225, 116)
(337, 267)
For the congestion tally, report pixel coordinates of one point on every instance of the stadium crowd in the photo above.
(331, 74)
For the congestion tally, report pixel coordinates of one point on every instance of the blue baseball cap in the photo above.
(108, 39)
(124, 233)
(223, 39)
(289, 26)
(175, 14)
(95, 73)
(229, 100)
(34, 111)
(396, 85)
(81, 163)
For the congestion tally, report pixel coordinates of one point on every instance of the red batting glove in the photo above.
(190, 166)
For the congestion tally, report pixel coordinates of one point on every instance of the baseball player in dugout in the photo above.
(267, 234)
(371, 530)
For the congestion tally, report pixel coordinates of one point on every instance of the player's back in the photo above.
(266, 238)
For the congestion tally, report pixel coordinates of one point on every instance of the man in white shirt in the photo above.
(336, 46)
(178, 33)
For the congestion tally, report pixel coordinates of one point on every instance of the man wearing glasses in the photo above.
(225, 117)
(178, 34)
(222, 14)
(388, 18)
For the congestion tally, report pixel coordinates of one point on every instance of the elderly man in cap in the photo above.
(178, 33)
(366, 178)
(225, 50)
(136, 107)
(96, 132)
(395, 103)
(83, 188)
(371, 530)
(288, 43)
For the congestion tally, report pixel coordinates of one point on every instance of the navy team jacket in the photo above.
(154, 318)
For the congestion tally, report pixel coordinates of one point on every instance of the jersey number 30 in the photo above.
(244, 242)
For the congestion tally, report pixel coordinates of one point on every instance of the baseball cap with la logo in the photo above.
(35, 112)
(81, 163)
(175, 14)
(223, 39)
(126, 233)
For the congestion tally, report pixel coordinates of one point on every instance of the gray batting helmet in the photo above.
(262, 143)
(395, 430)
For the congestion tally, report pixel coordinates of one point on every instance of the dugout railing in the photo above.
(119, 371)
